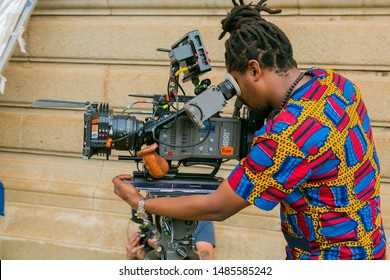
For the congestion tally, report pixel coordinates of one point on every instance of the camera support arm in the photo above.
(151, 126)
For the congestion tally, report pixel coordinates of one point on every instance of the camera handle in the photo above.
(156, 165)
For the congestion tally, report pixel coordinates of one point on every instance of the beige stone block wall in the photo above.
(59, 206)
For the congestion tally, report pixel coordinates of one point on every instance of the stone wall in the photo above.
(59, 206)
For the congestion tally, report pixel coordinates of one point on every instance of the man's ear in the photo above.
(254, 68)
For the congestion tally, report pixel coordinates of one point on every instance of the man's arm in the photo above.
(218, 206)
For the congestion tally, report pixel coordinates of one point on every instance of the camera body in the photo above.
(181, 142)
(184, 141)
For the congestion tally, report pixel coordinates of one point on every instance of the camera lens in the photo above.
(101, 126)
(126, 125)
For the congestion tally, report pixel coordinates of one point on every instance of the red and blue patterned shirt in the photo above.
(317, 158)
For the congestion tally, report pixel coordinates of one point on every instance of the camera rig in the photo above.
(195, 134)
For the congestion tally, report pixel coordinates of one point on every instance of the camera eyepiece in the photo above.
(212, 100)
(231, 85)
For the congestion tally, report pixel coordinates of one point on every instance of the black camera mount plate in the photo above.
(179, 185)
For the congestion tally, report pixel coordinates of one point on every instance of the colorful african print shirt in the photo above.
(318, 160)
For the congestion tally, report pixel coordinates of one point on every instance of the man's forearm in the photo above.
(212, 207)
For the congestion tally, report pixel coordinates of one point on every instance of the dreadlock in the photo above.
(252, 37)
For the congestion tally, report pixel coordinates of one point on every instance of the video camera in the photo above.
(193, 135)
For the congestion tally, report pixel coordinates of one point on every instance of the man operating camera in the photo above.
(315, 156)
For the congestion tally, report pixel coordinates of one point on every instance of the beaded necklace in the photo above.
(287, 96)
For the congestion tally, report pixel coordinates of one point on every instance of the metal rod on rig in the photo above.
(164, 121)
(129, 158)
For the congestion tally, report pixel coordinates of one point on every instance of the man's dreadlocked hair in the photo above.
(252, 37)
